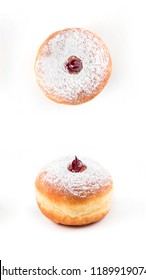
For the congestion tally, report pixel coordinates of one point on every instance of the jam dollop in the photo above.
(77, 166)
(74, 65)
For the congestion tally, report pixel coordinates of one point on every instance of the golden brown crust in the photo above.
(72, 221)
(64, 208)
(75, 214)
(82, 97)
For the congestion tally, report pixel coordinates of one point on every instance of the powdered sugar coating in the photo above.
(81, 184)
(51, 71)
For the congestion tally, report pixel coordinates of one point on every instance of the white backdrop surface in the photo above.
(110, 129)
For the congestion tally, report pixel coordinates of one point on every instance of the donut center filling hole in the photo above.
(76, 166)
(74, 65)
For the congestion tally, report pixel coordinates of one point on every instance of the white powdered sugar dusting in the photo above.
(51, 69)
(81, 184)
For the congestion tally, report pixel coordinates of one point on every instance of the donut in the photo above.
(74, 192)
(72, 66)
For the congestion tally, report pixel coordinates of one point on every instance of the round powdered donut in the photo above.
(72, 66)
(74, 192)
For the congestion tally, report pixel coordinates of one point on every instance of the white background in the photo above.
(109, 129)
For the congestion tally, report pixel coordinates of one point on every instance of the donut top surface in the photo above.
(71, 62)
(82, 178)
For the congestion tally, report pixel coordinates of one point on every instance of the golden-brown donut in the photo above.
(74, 192)
(72, 66)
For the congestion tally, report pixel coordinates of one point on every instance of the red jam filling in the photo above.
(74, 65)
(77, 166)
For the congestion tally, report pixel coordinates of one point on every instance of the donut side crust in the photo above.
(75, 214)
(64, 208)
